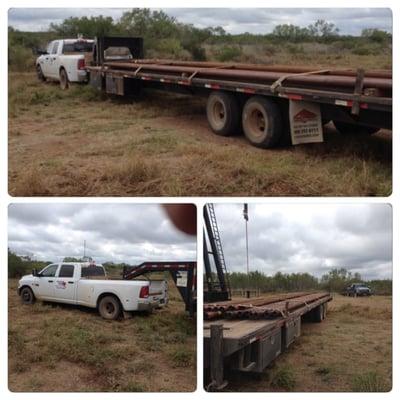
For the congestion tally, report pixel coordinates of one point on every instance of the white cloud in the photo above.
(309, 238)
(129, 233)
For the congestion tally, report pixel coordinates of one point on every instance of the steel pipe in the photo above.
(264, 76)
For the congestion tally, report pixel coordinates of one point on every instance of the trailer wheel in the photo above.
(109, 307)
(352, 129)
(64, 83)
(223, 113)
(27, 296)
(262, 122)
(39, 73)
(318, 313)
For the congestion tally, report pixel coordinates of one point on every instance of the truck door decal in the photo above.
(61, 285)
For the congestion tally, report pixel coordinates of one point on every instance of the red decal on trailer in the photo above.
(245, 90)
(212, 86)
(294, 96)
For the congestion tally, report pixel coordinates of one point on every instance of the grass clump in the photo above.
(284, 379)
(181, 358)
(368, 382)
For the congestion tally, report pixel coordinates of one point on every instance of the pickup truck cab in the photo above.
(86, 284)
(358, 289)
(65, 61)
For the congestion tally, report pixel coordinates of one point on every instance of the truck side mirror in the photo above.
(40, 52)
(34, 272)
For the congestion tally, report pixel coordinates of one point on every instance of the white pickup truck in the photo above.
(65, 61)
(86, 284)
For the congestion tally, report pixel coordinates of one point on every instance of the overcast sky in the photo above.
(308, 238)
(261, 20)
(113, 232)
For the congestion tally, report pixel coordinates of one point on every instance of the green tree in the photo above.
(88, 27)
(323, 29)
(376, 35)
(291, 32)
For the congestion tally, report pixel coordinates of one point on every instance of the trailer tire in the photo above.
(318, 313)
(64, 83)
(109, 307)
(346, 128)
(223, 113)
(27, 295)
(39, 73)
(262, 122)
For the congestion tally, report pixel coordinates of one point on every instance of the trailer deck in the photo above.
(256, 98)
(239, 342)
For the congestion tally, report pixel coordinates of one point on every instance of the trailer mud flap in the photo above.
(115, 85)
(305, 122)
(96, 80)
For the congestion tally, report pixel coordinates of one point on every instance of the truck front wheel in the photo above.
(64, 83)
(262, 122)
(27, 296)
(223, 113)
(109, 307)
(39, 73)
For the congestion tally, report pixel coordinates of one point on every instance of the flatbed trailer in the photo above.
(271, 104)
(249, 343)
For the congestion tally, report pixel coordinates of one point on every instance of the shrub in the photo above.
(20, 59)
(229, 53)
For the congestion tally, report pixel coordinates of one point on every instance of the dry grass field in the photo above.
(350, 351)
(67, 349)
(80, 143)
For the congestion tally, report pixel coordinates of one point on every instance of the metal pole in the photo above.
(246, 218)
(247, 249)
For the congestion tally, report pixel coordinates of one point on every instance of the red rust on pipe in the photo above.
(320, 80)
(375, 73)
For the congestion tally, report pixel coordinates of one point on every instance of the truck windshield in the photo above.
(94, 270)
(78, 47)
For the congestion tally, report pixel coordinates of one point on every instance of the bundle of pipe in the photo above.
(243, 303)
(219, 310)
(267, 77)
(277, 309)
(374, 73)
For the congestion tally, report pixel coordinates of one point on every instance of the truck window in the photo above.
(66, 271)
(50, 270)
(49, 47)
(94, 270)
(55, 48)
(78, 47)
